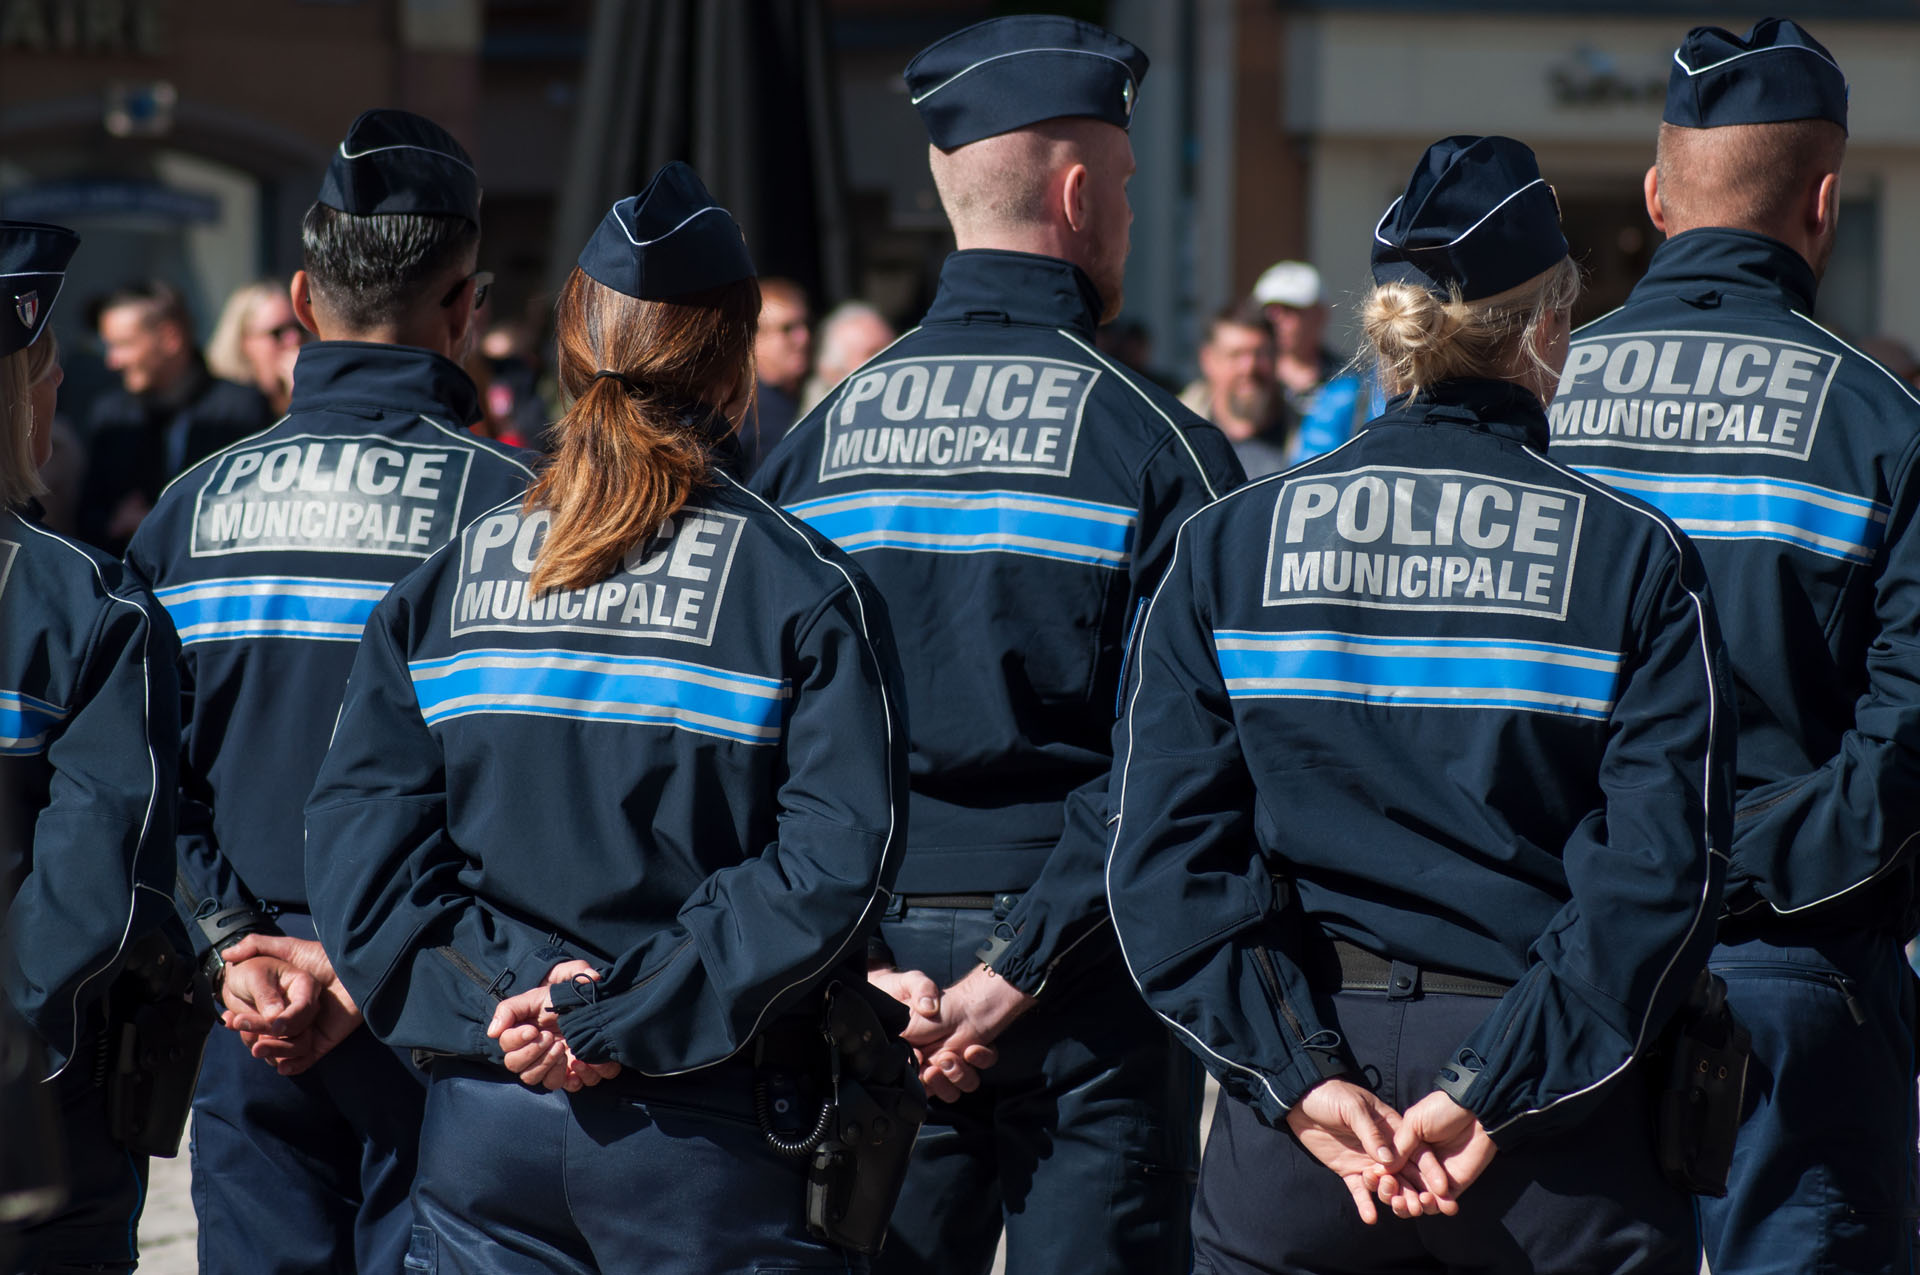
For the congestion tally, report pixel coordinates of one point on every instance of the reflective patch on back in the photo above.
(1693, 392)
(1420, 672)
(327, 494)
(585, 686)
(235, 607)
(1398, 539)
(669, 587)
(975, 522)
(1741, 507)
(957, 415)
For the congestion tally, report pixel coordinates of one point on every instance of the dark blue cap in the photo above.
(667, 241)
(398, 162)
(1007, 73)
(1777, 73)
(1476, 215)
(33, 263)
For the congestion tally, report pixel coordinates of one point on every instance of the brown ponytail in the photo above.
(628, 456)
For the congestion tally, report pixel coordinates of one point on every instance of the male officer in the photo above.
(88, 710)
(1014, 495)
(1789, 458)
(270, 556)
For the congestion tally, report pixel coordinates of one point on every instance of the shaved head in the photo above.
(1746, 176)
(1057, 188)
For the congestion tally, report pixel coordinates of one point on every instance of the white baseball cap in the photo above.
(1291, 283)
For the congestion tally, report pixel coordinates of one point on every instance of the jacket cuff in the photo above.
(1014, 959)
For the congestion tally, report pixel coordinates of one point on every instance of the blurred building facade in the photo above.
(184, 138)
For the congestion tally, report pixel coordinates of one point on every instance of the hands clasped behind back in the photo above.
(528, 1030)
(284, 1000)
(1417, 1163)
(952, 1032)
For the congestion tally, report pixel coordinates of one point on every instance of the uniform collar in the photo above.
(1698, 266)
(986, 285)
(383, 378)
(1499, 407)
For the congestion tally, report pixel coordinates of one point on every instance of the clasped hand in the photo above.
(282, 997)
(528, 1030)
(952, 1032)
(1417, 1163)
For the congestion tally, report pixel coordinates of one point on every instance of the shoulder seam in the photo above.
(1205, 479)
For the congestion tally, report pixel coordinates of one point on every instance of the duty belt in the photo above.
(1001, 903)
(1362, 971)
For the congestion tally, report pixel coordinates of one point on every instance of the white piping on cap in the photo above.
(1773, 48)
(1538, 181)
(401, 146)
(621, 222)
(1091, 53)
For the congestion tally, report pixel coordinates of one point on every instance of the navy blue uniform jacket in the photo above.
(88, 723)
(1463, 701)
(1788, 458)
(689, 774)
(1014, 495)
(270, 556)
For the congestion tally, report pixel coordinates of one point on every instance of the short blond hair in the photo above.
(19, 373)
(1417, 339)
(226, 351)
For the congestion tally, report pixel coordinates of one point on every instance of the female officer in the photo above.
(89, 723)
(1421, 810)
(632, 738)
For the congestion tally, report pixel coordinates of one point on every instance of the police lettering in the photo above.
(670, 586)
(1691, 391)
(957, 415)
(338, 495)
(1406, 539)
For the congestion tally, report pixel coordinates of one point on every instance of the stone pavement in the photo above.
(168, 1236)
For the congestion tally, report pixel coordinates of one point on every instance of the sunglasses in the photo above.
(279, 335)
(482, 281)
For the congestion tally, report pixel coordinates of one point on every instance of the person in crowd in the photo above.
(852, 333)
(783, 352)
(1014, 495)
(734, 763)
(1419, 863)
(1328, 399)
(168, 414)
(1237, 390)
(1789, 457)
(257, 340)
(270, 556)
(513, 399)
(1895, 355)
(89, 706)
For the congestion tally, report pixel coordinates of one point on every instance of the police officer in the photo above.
(626, 756)
(270, 556)
(1014, 495)
(88, 714)
(1789, 457)
(1423, 794)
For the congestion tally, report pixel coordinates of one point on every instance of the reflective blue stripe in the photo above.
(1729, 507)
(590, 687)
(24, 722)
(271, 606)
(975, 522)
(1424, 672)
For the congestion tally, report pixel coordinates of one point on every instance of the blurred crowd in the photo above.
(1268, 378)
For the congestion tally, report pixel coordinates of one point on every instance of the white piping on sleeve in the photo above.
(153, 789)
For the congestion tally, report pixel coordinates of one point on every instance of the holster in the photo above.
(1700, 1069)
(860, 1142)
(159, 1012)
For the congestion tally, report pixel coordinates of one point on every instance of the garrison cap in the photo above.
(394, 161)
(1776, 73)
(1007, 73)
(666, 241)
(33, 263)
(1476, 215)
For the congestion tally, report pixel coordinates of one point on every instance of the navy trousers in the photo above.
(310, 1172)
(1586, 1201)
(106, 1187)
(1082, 1141)
(1823, 1173)
(665, 1177)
